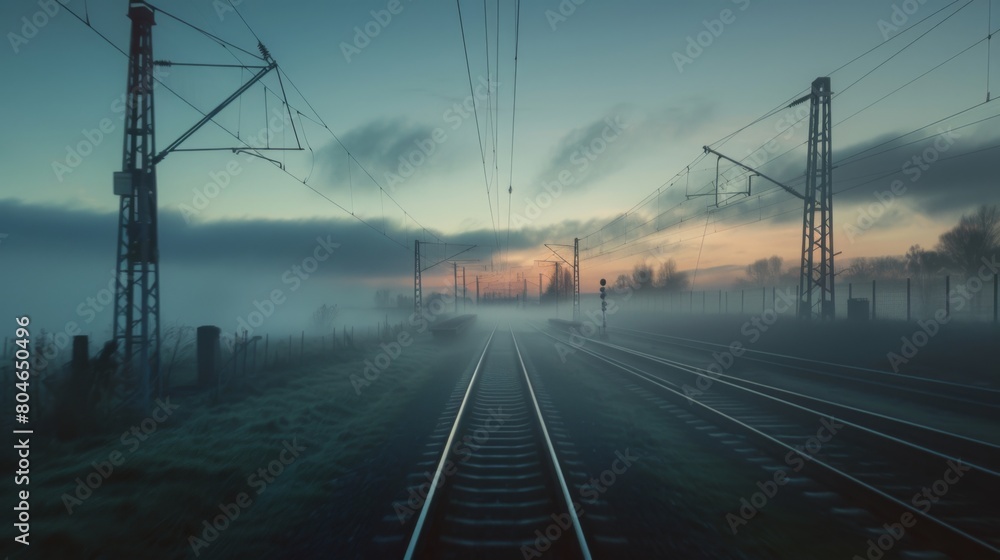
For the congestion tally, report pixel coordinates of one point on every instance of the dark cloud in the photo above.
(380, 145)
(57, 257)
(604, 146)
(946, 179)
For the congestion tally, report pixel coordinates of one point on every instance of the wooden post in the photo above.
(947, 290)
(874, 316)
(907, 299)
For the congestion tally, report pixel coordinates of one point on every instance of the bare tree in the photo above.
(876, 268)
(977, 236)
(642, 276)
(382, 299)
(565, 284)
(764, 272)
(622, 283)
(921, 263)
(669, 279)
(323, 317)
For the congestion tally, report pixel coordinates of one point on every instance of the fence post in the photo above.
(907, 300)
(947, 290)
(873, 301)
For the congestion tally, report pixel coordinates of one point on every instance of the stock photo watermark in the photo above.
(258, 481)
(713, 29)
(131, 439)
(795, 459)
(900, 16)
(924, 501)
(914, 167)
(33, 23)
(959, 297)
(580, 161)
(589, 493)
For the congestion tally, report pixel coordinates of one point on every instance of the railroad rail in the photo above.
(499, 477)
(937, 392)
(876, 461)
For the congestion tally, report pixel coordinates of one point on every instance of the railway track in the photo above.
(879, 463)
(498, 478)
(949, 395)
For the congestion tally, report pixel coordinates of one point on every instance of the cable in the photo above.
(249, 148)
(513, 114)
(919, 37)
(202, 31)
(479, 134)
(250, 29)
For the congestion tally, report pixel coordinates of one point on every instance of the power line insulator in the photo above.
(263, 51)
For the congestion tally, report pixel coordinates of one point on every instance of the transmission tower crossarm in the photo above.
(550, 246)
(790, 190)
(211, 114)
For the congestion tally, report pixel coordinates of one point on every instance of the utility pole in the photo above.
(557, 290)
(454, 267)
(419, 269)
(539, 289)
(136, 325)
(417, 283)
(464, 288)
(817, 272)
(576, 279)
(136, 329)
(576, 274)
(477, 290)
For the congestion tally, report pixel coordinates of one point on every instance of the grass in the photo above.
(202, 455)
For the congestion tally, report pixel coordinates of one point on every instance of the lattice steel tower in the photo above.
(137, 290)
(817, 272)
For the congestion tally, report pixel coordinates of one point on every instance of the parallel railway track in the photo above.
(934, 392)
(877, 462)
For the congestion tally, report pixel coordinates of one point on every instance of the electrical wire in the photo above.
(479, 134)
(249, 148)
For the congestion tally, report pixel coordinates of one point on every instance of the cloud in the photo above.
(589, 153)
(382, 146)
(212, 273)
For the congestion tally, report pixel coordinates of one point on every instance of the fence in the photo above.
(954, 297)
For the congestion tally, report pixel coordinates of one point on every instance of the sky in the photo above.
(613, 99)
